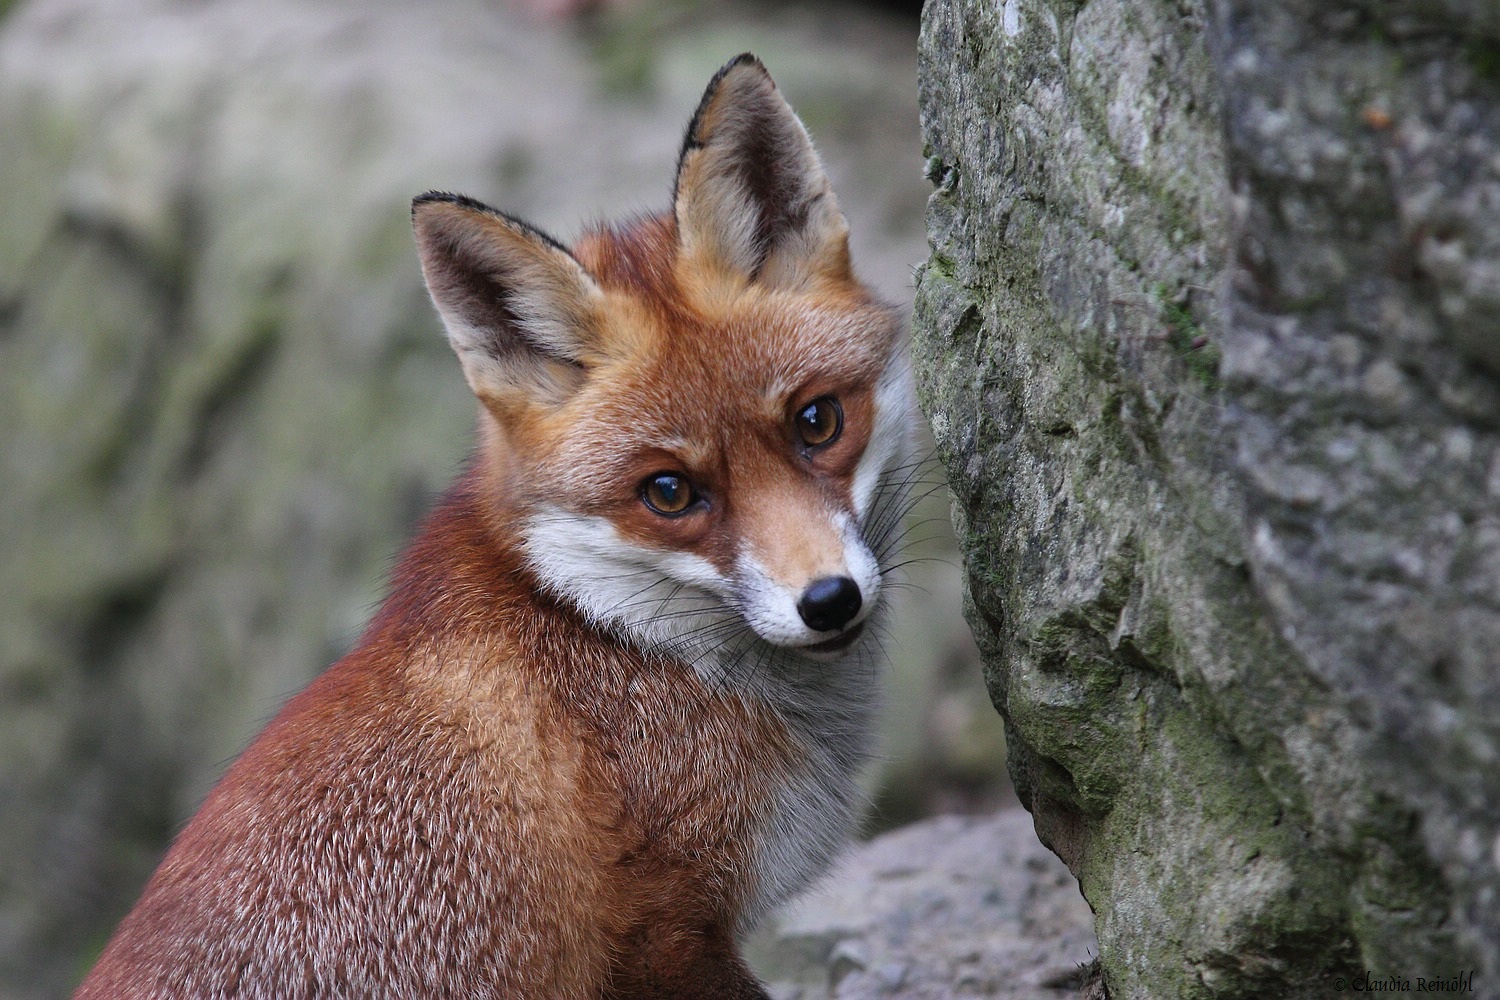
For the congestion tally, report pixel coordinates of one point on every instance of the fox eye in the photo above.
(668, 493)
(820, 421)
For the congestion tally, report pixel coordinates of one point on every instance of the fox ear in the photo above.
(519, 309)
(752, 199)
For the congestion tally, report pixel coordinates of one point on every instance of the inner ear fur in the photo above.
(752, 199)
(520, 311)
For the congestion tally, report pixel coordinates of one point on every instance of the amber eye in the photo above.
(668, 493)
(820, 421)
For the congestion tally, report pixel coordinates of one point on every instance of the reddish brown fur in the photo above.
(490, 797)
(592, 803)
(617, 811)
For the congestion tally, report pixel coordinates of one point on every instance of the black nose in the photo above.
(829, 603)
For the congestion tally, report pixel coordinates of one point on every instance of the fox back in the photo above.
(613, 707)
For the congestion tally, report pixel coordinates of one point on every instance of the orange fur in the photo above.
(484, 792)
(502, 791)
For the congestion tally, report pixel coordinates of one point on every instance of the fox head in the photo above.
(695, 424)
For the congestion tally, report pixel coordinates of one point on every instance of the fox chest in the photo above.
(727, 799)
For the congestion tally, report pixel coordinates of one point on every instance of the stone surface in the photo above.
(1207, 337)
(224, 398)
(948, 907)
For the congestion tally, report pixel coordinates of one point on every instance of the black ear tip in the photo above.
(691, 139)
(428, 197)
(743, 59)
(448, 198)
(748, 61)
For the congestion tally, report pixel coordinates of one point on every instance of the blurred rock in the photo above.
(224, 398)
(1207, 337)
(952, 906)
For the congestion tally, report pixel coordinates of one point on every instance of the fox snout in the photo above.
(803, 619)
(804, 567)
(830, 602)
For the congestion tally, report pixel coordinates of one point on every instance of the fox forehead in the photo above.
(692, 388)
(685, 317)
(766, 346)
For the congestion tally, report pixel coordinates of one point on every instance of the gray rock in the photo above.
(952, 906)
(1207, 336)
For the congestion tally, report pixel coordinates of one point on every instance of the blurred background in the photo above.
(225, 400)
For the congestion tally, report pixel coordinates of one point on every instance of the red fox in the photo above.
(612, 710)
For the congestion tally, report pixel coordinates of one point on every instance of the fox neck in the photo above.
(466, 583)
